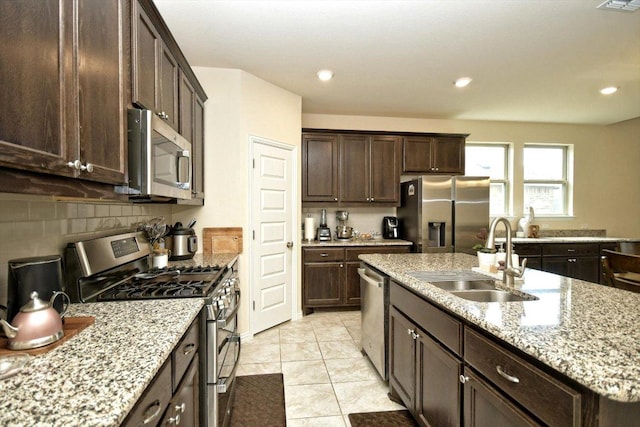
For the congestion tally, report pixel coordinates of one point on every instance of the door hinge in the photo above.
(254, 306)
(254, 234)
(254, 163)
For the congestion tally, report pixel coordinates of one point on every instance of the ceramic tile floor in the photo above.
(325, 375)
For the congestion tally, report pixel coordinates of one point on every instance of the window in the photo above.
(491, 160)
(545, 179)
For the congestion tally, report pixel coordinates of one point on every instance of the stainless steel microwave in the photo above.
(159, 159)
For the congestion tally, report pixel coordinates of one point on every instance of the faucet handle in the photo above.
(518, 271)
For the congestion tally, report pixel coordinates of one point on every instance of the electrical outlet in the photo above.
(544, 226)
(584, 226)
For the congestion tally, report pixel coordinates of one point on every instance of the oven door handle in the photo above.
(223, 322)
(221, 386)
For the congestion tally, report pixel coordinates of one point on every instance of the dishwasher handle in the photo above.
(375, 281)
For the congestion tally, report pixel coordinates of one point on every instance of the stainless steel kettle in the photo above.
(36, 325)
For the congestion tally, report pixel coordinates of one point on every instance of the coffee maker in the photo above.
(42, 274)
(390, 227)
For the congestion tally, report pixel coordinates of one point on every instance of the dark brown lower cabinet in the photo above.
(173, 397)
(423, 374)
(330, 275)
(484, 406)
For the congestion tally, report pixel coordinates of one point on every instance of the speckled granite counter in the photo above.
(354, 242)
(585, 331)
(96, 377)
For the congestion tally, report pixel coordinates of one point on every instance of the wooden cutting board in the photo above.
(72, 326)
(222, 240)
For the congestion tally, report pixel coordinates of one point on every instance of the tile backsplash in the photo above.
(41, 225)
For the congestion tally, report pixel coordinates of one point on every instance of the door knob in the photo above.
(289, 245)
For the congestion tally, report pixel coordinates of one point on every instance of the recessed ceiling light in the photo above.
(325, 75)
(609, 90)
(462, 81)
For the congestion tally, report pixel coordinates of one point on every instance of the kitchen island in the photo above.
(586, 333)
(97, 376)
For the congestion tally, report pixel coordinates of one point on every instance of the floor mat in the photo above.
(259, 401)
(382, 419)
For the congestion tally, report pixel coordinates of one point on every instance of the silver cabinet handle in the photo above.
(324, 254)
(464, 379)
(335, 199)
(88, 167)
(188, 349)
(152, 411)
(506, 376)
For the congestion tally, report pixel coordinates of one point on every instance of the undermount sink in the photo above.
(494, 295)
(465, 285)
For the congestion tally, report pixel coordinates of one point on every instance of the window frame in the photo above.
(508, 178)
(565, 182)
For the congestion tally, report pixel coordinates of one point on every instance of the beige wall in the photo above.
(606, 172)
(239, 106)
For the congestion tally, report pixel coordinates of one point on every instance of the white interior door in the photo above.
(272, 221)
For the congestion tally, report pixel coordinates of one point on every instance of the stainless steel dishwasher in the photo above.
(374, 303)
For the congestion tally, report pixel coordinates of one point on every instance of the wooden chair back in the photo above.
(629, 247)
(621, 270)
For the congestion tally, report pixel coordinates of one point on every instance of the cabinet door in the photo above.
(354, 169)
(485, 407)
(186, 101)
(323, 284)
(586, 268)
(169, 87)
(352, 284)
(184, 408)
(197, 179)
(416, 154)
(448, 155)
(101, 99)
(557, 265)
(402, 358)
(439, 393)
(319, 168)
(146, 43)
(37, 36)
(385, 169)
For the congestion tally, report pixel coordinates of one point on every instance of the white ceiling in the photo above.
(530, 60)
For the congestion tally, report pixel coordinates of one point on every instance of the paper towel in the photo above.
(309, 228)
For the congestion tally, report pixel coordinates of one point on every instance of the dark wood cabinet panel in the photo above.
(320, 168)
(33, 90)
(338, 283)
(169, 87)
(323, 284)
(385, 169)
(101, 76)
(53, 84)
(545, 397)
(402, 358)
(439, 391)
(354, 170)
(184, 409)
(192, 128)
(145, 51)
(434, 154)
(486, 407)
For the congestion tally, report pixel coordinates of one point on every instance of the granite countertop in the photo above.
(567, 239)
(356, 242)
(583, 330)
(96, 377)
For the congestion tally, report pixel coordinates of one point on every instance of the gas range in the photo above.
(172, 282)
(116, 268)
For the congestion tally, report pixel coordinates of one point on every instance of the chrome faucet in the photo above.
(509, 272)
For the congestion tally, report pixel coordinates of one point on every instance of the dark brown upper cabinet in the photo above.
(434, 154)
(369, 169)
(155, 69)
(192, 128)
(320, 167)
(63, 90)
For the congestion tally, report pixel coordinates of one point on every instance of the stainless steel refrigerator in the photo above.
(444, 213)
